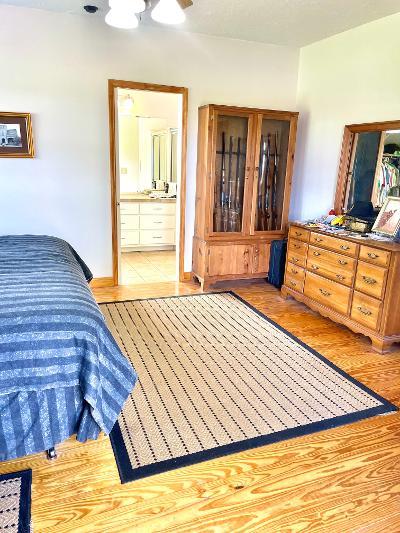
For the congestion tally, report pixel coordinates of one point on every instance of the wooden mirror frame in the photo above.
(349, 136)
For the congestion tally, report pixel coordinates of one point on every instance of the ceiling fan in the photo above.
(124, 13)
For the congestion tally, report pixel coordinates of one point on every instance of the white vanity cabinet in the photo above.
(147, 225)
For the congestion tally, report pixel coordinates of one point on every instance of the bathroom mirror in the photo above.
(369, 165)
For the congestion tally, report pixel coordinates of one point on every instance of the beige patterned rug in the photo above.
(15, 502)
(217, 377)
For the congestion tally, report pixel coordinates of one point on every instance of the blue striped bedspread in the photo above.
(61, 371)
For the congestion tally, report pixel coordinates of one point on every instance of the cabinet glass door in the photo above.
(273, 149)
(230, 167)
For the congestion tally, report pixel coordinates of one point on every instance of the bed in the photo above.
(61, 371)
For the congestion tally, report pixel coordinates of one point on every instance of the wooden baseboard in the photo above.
(102, 282)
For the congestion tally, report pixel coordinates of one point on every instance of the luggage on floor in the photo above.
(277, 262)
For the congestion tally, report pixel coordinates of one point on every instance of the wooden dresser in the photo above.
(354, 281)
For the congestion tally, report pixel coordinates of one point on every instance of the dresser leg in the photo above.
(380, 345)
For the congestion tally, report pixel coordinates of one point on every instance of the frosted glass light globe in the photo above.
(168, 12)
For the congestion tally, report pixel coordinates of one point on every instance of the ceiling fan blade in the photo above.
(185, 3)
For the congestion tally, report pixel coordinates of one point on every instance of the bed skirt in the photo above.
(34, 421)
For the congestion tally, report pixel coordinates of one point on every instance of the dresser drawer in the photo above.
(296, 258)
(129, 221)
(330, 260)
(157, 222)
(129, 208)
(327, 292)
(299, 233)
(334, 243)
(154, 237)
(366, 310)
(129, 238)
(375, 256)
(294, 283)
(157, 208)
(370, 279)
(294, 271)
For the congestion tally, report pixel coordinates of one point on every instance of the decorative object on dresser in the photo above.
(388, 221)
(352, 280)
(244, 173)
(147, 224)
(16, 138)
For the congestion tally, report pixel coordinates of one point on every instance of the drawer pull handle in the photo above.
(339, 276)
(318, 239)
(344, 247)
(371, 255)
(315, 267)
(342, 262)
(317, 253)
(293, 283)
(298, 233)
(295, 260)
(364, 311)
(370, 281)
(294, 271)
(296, 246)
(324, 292)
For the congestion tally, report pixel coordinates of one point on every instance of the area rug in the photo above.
(15, 502)
(216, 376)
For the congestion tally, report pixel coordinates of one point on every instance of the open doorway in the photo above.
(148, 155)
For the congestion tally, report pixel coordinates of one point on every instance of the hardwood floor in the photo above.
(342, 480)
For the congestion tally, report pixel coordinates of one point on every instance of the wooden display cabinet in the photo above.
(244, 174)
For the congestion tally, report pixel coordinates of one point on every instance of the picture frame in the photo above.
(388, 220)
(16, 139)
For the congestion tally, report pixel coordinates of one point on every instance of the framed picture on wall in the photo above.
(16, 135)
(388, 221)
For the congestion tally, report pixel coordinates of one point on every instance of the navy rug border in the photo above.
(127, 473)
(24, 519)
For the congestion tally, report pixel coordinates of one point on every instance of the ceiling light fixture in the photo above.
(123, 13)
(168, 12)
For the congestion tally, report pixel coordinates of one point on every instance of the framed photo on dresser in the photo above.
(388, 221)
(16, 139)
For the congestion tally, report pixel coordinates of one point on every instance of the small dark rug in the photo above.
(15, 502)
(216, 377)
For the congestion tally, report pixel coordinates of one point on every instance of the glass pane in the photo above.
(271, 174)
(364, 168)
(174, 156)
(163, 157)
(156, 157)
(230, 166)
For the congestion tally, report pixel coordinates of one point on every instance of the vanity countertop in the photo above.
(141, 197)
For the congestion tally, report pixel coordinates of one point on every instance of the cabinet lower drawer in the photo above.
(129, 221)
(370, 279)
(129, 238)
(327, 292)
(154, 237)
(157, 208)
(157, 222)
(293, 271)
(294, 283)
(129, 208)
(366, 310)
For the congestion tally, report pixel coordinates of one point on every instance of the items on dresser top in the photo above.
(147, 223)
(352, 280)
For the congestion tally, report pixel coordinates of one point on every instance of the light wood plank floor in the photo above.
(341, 480)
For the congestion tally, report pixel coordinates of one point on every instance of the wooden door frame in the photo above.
(121, 84)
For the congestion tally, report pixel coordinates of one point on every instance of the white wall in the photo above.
(58, 71)
(350, 78)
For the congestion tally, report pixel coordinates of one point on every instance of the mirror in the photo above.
(370, 165)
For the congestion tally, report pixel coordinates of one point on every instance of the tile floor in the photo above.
(147, 267)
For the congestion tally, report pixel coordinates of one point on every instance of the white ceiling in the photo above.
(285, 22)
